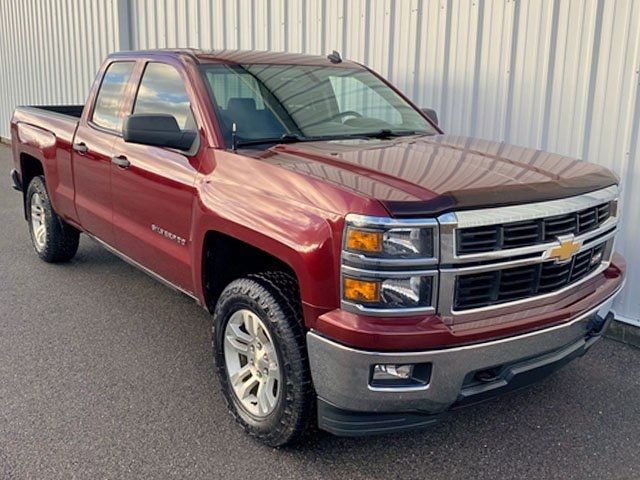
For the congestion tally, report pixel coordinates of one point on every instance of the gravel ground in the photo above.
(105, 373)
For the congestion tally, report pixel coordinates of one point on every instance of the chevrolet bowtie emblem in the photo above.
(568, 246)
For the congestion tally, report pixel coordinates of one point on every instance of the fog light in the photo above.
(392, 372)
(400, 375)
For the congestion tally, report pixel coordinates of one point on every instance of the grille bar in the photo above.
(491, 238)
(501, 286)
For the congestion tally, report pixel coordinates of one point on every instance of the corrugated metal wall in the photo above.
(50, 50)
(560, 75)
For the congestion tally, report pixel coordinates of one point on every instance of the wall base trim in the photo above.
(624, 332)
(628, 320)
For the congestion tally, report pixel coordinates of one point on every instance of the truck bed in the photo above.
(58, 122)
(69, 110)
(46, 133)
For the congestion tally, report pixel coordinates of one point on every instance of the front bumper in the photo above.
(348, 405)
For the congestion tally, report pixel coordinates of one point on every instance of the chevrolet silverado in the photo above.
(365, 272)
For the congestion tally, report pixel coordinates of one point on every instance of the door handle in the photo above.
(121, 161)
(81, 148)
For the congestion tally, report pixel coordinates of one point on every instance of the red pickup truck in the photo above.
(366, 272)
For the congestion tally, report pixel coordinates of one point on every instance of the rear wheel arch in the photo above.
(30, 168)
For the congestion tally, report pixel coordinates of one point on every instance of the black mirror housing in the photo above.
(159, 130)
(431, 114)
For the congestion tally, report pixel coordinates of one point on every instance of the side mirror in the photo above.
(431, 113)
(159, 130)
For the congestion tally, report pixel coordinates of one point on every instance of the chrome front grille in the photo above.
(530, 232)
(492, 259)
(509, 284)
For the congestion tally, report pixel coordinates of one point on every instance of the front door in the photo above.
(92, 151)
(153, 187)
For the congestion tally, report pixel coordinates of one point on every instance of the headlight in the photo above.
(388, 265)
(402, 292)
(391, 240)
(395, 242)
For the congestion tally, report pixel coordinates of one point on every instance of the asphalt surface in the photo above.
(105, 373)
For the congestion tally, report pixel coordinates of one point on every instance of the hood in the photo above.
(430, 175)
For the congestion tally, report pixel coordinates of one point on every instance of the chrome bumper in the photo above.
(341, 374)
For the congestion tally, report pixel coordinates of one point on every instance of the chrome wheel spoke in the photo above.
(40, 233)
(262, 336)
(236, 344)
(246, 386)
(239, 334)
(237, 339)
(251, 323)
(237, 379)
(266, 400)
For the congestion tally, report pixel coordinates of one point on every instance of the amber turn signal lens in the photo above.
(363, 240)
(361, 290)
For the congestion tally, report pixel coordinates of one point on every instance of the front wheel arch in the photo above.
(225, 259)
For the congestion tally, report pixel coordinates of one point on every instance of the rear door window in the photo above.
(107, 112)
(162, 90)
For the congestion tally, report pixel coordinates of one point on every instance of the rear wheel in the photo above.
(260, 353)
(54, 240)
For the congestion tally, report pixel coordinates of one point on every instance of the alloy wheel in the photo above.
(252, 363)
(38, 222)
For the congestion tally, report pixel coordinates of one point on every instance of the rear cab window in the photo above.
(107, 111)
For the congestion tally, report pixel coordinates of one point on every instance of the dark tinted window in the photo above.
(106, 112)
(162, 91)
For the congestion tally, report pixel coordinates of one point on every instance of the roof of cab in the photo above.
(240, 56)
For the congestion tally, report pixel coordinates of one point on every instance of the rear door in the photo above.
(153, 196)
(92, 151)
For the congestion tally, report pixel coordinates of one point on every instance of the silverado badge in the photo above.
(167, 234)
(562, 253)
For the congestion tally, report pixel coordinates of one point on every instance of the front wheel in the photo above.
(260, 353)
(54, 240)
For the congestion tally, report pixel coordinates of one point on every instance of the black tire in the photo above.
(274, 297)
(61, 239)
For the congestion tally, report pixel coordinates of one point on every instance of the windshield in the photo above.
(297, 102)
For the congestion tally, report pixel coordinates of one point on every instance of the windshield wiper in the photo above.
(295, 138)
(388, 133)
(284, 138)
